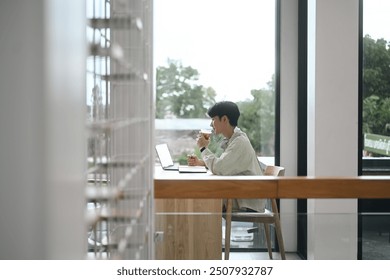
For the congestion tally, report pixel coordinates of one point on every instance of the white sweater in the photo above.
(238, 158)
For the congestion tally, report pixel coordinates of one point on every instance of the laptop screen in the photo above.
(164, 155)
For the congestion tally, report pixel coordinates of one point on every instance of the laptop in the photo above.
(167, 163)
(165, 158)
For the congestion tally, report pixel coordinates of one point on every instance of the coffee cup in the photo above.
(206, 133)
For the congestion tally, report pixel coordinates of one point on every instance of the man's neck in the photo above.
(229, 132)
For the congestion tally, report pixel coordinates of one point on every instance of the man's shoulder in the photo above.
(243, 142)
(241, 136)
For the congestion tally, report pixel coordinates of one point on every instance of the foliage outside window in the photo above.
(179, 95)
(376, 95)
(376, 86)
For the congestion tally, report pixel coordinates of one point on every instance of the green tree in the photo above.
(376, 70)
(376, 115)
(179, 94)
(258, 119)
(376, 86)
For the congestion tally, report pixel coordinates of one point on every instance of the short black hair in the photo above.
(225, 108)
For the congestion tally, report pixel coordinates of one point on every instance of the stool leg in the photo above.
(278, 231)
(268, 238)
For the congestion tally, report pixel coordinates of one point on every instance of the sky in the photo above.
(376, 19)
(232, 43)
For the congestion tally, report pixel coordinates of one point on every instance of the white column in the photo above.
(289, 114)
(332, 123)
(42, 97)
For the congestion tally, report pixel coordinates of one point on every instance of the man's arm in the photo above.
(233, 161)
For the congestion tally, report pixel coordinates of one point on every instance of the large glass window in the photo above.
(374, 213)
(207, 51)
(376, 86)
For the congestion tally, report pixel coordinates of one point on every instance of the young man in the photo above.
(238, 157)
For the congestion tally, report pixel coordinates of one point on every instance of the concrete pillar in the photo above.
(288, 113)
(332, 123)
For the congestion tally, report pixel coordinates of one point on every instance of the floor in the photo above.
(375, 235)
(375, 245)
(241, 239)
(261, 256)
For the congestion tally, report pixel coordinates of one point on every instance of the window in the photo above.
(376, 87)
(374, 234)
(208, 51)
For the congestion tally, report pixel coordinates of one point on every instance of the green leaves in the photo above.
(179, 94)
(258, 120)
(376, 86)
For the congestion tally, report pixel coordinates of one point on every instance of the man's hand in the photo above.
(201, 141)
(193, 160)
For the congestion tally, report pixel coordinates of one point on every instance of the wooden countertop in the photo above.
(172, 184)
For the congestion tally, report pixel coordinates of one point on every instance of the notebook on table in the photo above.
(192, 169)
(167, 163)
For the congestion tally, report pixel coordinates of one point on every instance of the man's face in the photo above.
(216, 124)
